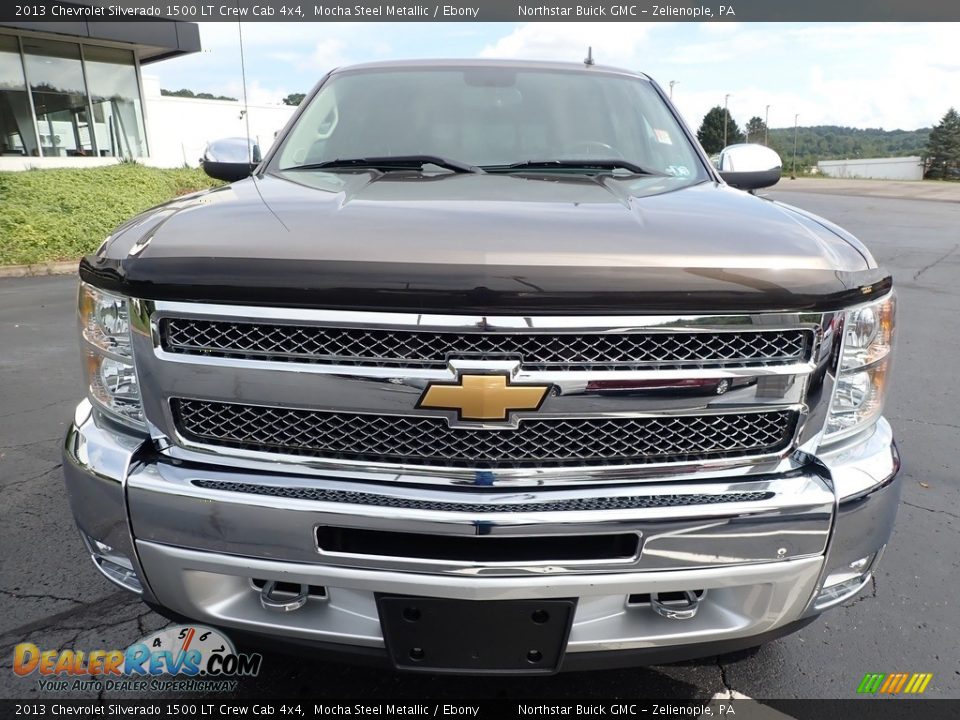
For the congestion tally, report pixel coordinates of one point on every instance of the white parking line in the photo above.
(730, 695)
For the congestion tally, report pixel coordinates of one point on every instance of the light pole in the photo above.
(672, 83)
(725, 116)
(766, 125)
(793, 173)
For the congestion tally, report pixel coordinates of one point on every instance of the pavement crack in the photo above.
(39, 596)
(71, 641)
(60, 619)
(33, 478)
(20, 413)
(936, 262)
(932, 510)
(723, 677)
(18, 446)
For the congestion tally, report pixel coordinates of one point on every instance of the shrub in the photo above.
(62, 214)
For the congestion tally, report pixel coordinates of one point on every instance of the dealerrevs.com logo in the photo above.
(185, 658)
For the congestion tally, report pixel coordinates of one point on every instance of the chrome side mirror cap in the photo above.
(230, 159)
(749, 167)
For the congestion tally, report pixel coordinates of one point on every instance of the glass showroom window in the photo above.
(115, 98)
(59, 97)
(17, 132)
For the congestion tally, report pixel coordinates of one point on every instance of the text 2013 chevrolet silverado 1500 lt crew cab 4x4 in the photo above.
(485, 368)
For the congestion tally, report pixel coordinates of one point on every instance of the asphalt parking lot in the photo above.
(909, 620)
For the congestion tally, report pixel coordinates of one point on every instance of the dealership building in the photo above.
(71, 93)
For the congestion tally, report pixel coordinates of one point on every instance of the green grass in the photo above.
(62, 214)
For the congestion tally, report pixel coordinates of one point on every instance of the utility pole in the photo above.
(725, 116)
(793, 173)
(672, 83)
(766, 126)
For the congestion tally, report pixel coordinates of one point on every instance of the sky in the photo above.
(877, 75)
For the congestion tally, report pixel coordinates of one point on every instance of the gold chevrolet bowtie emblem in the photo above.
(483, 397)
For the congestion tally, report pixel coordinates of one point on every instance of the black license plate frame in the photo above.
(489, 637)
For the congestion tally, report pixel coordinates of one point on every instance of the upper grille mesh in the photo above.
(603, 502)
(537, 351)
(430, 441)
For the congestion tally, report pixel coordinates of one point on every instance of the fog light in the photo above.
(835, 594)
(114, 565)
(846, 581)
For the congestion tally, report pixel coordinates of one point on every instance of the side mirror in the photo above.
(230, 159)
(749, 167)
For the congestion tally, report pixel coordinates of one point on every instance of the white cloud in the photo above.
(735, 45)
(257, 94)
(888, 75)
(613, 43)
(868, 75)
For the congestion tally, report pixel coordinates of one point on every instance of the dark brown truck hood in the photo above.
(486, 243)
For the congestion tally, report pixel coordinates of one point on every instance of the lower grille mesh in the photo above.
(430, 441)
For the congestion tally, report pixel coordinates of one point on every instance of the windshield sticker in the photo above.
(663, 137)
(677, 170)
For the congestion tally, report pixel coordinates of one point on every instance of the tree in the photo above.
(184, 92)
(756, 129)
(710, 133)
(943, 148)
(294, 98)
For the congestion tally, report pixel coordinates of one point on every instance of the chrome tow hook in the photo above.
(269, 601)
(676, 610)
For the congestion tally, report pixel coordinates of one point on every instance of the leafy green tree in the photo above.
(294, 99)
(943, 148)
(831, 142)
(711, 132)
(184, 92)
(756, 130)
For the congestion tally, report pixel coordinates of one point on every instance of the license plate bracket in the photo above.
(476, 636)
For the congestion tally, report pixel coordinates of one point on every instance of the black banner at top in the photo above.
(61, 11)
(485, 709)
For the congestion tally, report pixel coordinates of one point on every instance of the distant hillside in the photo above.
(830, 142)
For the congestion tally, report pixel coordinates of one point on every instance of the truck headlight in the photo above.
(864, 368)
(110, 374)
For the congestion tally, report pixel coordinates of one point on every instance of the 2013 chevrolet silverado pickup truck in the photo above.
(361, 400)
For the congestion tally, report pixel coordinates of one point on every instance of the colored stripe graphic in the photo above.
(871, 682)
(921, 682)
(894, 683)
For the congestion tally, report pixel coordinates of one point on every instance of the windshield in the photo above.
(490, 117)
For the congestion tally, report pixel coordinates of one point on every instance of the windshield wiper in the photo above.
(391, 162)
(601, 165)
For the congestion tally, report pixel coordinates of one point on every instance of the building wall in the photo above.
(178, 129)
(900, 168)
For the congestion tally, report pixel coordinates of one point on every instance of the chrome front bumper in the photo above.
(194, 536)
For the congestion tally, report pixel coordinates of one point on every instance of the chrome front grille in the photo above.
(411, 440)
(339, 392)
(537, 351)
